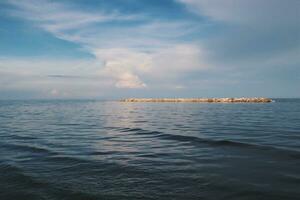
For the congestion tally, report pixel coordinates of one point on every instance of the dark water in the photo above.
(113, 150)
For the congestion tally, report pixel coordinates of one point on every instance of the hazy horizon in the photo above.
(116, 49)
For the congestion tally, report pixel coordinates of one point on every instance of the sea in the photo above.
(92, 149)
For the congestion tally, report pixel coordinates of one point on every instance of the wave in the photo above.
(96, 153)
(15, 176)
(27, 148)
(16, 184)
(18, 137)
(218, 143)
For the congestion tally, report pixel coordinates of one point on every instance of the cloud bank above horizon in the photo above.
(159, 48)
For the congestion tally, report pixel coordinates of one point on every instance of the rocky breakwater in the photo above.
(201, 100)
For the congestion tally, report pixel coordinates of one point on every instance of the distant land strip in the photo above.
(201, 100)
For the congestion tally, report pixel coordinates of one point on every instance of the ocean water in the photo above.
(113, 150)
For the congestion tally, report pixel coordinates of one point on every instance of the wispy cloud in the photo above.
(255, 31)
(62, 20)
(222, 43)
(128, 53)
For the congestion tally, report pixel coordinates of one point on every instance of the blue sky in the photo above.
(149, 48)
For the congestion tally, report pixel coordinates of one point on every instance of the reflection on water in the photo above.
(115, 150)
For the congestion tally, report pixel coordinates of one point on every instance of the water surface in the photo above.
(114, 150)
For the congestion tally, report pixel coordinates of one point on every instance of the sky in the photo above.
(110, 49)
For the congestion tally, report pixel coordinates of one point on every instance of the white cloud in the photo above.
(256, 12)
(125, 55)
(128, 80)
(52, 78)
(56, 17)
(122, 65)
(115, 67)
(254, 33)
(126, 66)
(179, 59)
(54, 92)
(64, 21)
(47, 66)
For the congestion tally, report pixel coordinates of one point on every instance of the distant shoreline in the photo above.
(201, 100)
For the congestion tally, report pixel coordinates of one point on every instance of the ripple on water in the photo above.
(112, 150)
